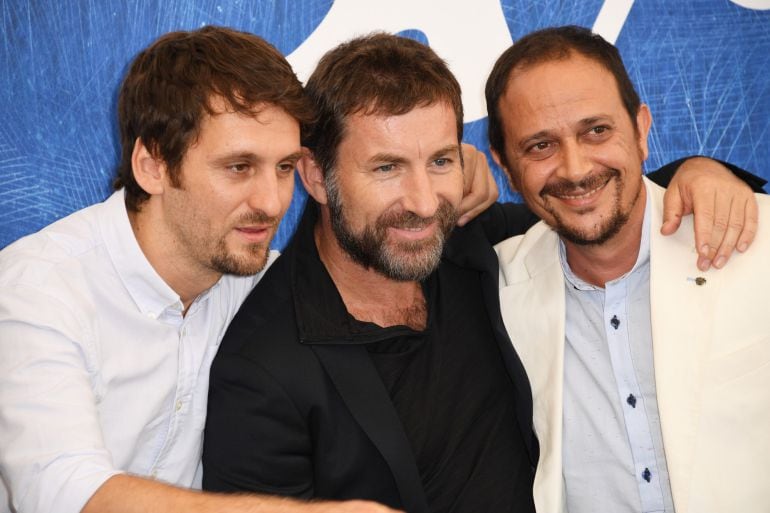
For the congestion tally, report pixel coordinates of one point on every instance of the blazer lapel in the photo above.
(532, 304)
(470, 248)
(682, 310)
(356, 379)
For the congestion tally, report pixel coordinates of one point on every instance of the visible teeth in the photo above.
(581, 196)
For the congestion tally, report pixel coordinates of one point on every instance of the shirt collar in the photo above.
(150, 293)
(641, 260)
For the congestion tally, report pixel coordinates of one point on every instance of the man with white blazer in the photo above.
(650, 377)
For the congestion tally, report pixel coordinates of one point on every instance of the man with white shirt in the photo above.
(649, 377)
(109, 318)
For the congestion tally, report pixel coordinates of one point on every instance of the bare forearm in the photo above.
(129, 494)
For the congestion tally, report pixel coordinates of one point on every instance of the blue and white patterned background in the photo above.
(702, 65)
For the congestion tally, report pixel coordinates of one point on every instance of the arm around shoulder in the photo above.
(129, 494)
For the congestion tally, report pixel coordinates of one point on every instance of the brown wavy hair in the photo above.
(170, 86)
(375, 74)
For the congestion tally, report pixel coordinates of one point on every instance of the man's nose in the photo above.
(419, 193)
(574, 163)
(265, 193)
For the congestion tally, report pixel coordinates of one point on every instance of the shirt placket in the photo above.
(631, 399)
(181, 400)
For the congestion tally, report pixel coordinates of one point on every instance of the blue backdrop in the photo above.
(702, 65)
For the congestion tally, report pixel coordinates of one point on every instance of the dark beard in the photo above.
(226, 263)
(409, 261)
(611, 225)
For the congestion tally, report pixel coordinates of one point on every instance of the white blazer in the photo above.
(711, 348)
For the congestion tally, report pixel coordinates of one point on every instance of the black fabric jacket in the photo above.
(296, 406)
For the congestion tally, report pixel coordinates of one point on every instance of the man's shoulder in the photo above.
(684, 237)
(763, 200)
(265, 322)
(234, 290)
(53, 277)
(58, 250)
(515, 249)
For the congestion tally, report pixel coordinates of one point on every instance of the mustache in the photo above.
(258, 217)
(562, 186)
(445, 214)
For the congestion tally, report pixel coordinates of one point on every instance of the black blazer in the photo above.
(296, 406)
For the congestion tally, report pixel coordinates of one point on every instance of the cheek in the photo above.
(530, 179)
(450, 187)
(616, 155)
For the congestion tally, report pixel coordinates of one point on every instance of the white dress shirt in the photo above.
(99, 371)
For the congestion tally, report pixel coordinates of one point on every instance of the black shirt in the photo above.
(455, 399)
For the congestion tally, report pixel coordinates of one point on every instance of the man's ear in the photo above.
(506, 171)
(643, 124)
(312, 177)
(149, 172)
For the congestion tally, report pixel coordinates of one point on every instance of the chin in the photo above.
(251, 261)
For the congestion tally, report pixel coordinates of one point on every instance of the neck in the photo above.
(185, 278)
(598, 264)
(368, 295)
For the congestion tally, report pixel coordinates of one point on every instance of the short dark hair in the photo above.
(375, 74)
(546, 45)
(170, 86)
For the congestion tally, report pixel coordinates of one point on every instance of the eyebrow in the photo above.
(397, 159)
(236, 155)
(534, 137)
(595, 119)
(451, 148)
(293, 156)
(387, 157)
(250, 157)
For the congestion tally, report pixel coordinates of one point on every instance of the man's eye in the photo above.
(238, 168)
(441, 162)
(286, 167)
(539, 147)
(385, 168)
(599, 130)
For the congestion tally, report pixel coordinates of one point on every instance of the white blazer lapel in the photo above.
(682, 313)
(532, 303)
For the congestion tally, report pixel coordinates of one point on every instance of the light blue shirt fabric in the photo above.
(100, 373)
(613, 457)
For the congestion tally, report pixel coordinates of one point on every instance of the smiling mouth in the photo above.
(584, 195)
(580, 191)
(415, 232)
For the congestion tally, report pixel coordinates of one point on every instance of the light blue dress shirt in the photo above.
(613, 457)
